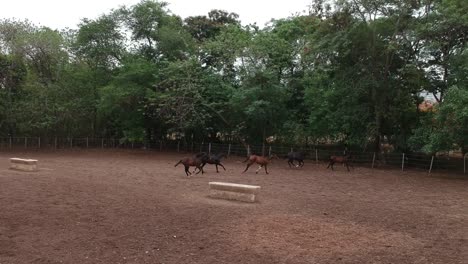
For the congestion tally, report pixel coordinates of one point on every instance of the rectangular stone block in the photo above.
(23, 164)
(233, 191)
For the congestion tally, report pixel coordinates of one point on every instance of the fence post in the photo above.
(10, 142)
(263, 149)
(102, 142)
(373, 160)
(403, 162)
(248, 150)
(269, 151)
(113, 142)
(132, 144)
(316, 156)
(39, 142)
(292, 149)
(25, 142)
(55, 143)
(87, 142)
(71, 142)
(430, 167)
(464, 163)
(229, 149)
(209, 148)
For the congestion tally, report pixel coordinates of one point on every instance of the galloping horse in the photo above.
(195, 161)
(214, 159)
(340, 159)
(260, 160)
(295, 156)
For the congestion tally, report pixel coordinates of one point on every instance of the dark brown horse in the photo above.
(188, 162)
(340, 159)
(295, 156)
(260, 160)
(214, 159)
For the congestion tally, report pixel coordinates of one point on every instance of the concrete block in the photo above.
(234, 191)
(23, 164)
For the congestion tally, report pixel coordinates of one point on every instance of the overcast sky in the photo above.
(59, 14)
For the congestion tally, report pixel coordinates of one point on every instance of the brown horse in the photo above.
(260, 160)
(188, 162)
(340, 159)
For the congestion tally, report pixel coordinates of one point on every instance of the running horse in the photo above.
(295, 156)
(214, 159)
(340, 159)
(260, 160)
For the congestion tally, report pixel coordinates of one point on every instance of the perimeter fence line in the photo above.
(315, 153)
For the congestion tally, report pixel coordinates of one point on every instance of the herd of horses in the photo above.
(199, 161)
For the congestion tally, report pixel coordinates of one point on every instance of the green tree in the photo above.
(447, 128)
(203, 28)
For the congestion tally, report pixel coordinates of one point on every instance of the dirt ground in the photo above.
(135, 207)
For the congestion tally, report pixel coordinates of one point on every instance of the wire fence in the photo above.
(315, 153)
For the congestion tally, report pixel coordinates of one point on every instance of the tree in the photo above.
(447, 127)
(158, 35)
(12, 75)
(443, 32)
(203, 28)
(124, 102)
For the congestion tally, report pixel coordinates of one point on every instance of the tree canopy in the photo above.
(351, 72)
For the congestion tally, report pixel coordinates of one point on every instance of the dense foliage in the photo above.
(352, 72)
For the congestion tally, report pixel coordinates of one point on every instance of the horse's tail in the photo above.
(180, 161)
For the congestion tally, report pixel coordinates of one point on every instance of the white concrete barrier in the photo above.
(233, 191)
(23, 164)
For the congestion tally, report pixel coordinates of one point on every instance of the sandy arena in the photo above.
(135, 207)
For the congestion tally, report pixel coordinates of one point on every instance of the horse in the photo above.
(340, 159)
(214, 159)
(195, 161)
(295, 156)
(260, 160)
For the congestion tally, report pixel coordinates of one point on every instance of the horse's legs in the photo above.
(298, 163)
(289, 163)
(331, 164)
(200, 169)
(347, 167)
(221, 165)
(260, 167)
(266, 169)
(196, 167)
(248, 165)
(217, 168)
(301, 163)
(187, 172)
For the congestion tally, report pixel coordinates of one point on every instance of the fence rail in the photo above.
(318, 153)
